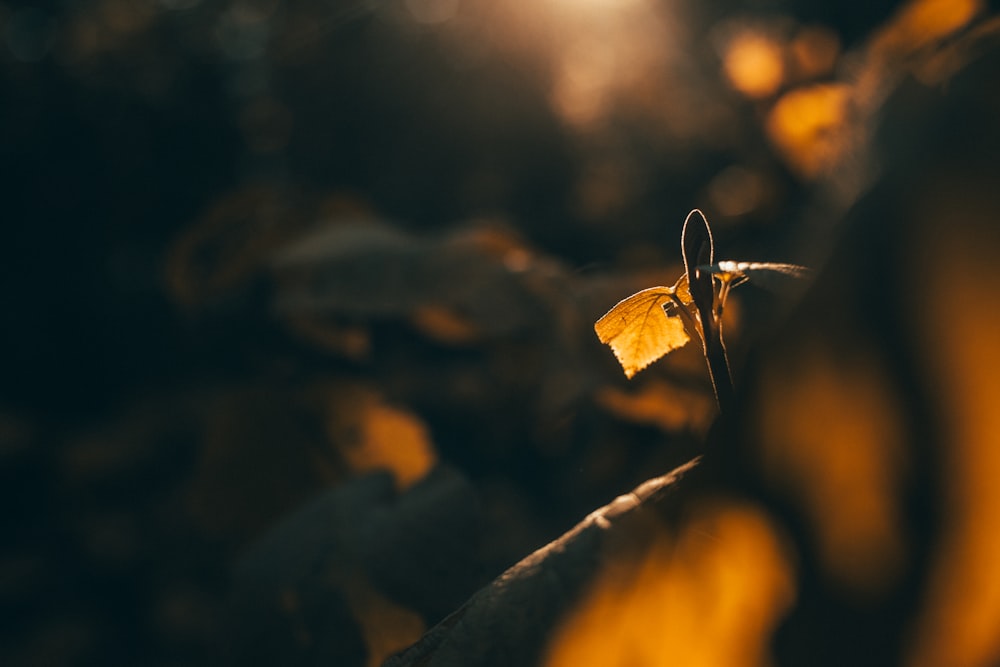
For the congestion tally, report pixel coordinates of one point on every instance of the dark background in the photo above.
(165, 383)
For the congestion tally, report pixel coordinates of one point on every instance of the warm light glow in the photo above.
(385, 626)
(639, 332)
(444, 325)
(923, 22)
(582, 84)
(601, 60)
(373, 436)
(604, 188)
(432, 11)
(808, 126)
(660, 404)
(754, 64)
(814, 50)
(832, 436)
(607, 52)
(736, 191)
(707, 596)
(596, 5)
(960, 626)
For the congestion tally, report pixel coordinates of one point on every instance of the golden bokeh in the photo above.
(738, 190)
(754, 64)
(960, 624)
(809, 127)
(444, 325)
(832, 437)
(386, 627)
(814, 51)
(662, 404)
(372, 436)
(921, 23)
(708, 596)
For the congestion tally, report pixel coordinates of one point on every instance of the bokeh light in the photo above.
(846, 475)
(754, 64)
(958, 623)
(809, 126)
(708, 596)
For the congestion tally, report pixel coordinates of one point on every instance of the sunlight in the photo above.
(754, 64)
(595, 54)
(602, 6)
(583, 82)
(598, 5)
(610, 54)
(432, 11)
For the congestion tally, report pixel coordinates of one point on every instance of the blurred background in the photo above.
(274, 271)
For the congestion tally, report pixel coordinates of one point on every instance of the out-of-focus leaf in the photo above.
(224, 249)
(708, 591)
(638, 330)
(347, 340)
(511, 621)
(457, 288)
(660, 404)
(370, 435)
(444, 325)
(362, 269)
(248, 433)
(356, 573)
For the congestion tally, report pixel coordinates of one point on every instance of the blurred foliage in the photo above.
(275, 271)
(686, 603)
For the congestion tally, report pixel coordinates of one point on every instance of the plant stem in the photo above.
(718, 368)
(714, 350)
(697, 250)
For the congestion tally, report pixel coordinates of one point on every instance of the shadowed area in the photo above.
(299, 352)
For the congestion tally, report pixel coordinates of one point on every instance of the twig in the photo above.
(697, 249)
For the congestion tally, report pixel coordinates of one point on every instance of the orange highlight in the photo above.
(754, 64)
(708, 596)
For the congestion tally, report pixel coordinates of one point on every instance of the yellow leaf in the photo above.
(639, 331)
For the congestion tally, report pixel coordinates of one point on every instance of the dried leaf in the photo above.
(639, 331)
